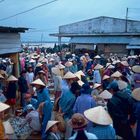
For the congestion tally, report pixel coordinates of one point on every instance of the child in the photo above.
(52, 131)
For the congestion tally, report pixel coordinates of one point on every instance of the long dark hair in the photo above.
(81, 135)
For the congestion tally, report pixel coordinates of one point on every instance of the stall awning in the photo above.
(133, 47)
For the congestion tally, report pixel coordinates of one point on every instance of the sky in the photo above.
(47, 19)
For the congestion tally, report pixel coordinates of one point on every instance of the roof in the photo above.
(4, 29)
(102, 17)
(95, 34)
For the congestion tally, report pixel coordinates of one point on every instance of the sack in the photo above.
(61, 125)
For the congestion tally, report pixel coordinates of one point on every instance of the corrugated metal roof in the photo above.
(95, 34)
(11, 50)
(4, 29)
(101, 39)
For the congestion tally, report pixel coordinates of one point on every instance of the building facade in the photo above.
(106, 34)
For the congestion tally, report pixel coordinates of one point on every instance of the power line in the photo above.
(134, 8)
(42, 30)
(23, 12)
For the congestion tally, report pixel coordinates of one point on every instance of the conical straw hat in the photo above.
(41, 71)
(116, 61)
(116, 74)
(78, 75)
(98, 115)
(122, 85)
(1, 76)
(60, 66)
(32, 61)
(8, 128)
(97, 56)
(105, 94)
(12, 78)
(68, 64)
(98, 66)
(110, 67)
(96, 85)
(136, 69)
(38, 82)
(107, 64)
(106, 77)
(3, 106)
(44, 60)
(69, 75)
(50, 124)
(38, 65)
(80, 82)
(136, 94)
(125, 63)
(56, 71)
(80, 72)
(51, 59)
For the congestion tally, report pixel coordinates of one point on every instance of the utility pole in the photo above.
(126, 20)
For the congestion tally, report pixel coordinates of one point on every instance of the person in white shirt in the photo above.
(57, 82)
(30, 75)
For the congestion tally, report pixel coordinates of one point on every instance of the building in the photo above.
(105, 34)
(10, 44)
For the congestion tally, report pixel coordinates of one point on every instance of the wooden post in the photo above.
(15, 59)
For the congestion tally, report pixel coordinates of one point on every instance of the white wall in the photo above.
(100, 25)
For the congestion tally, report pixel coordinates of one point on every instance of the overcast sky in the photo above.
(47, 19)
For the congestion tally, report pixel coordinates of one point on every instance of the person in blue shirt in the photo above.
(67, 100)
(102, 123)
(29, 100)
(84, 101)
(44, 104)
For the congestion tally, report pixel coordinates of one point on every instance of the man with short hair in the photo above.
(120, 108)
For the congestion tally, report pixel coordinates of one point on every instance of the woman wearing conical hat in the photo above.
(52, 130)
(67, 100)
(11, 92)
(44, 104)
(96, 74)
(102, 123)
(41, 75)
(105, 81)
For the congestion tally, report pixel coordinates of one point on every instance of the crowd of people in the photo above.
(92, 98)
